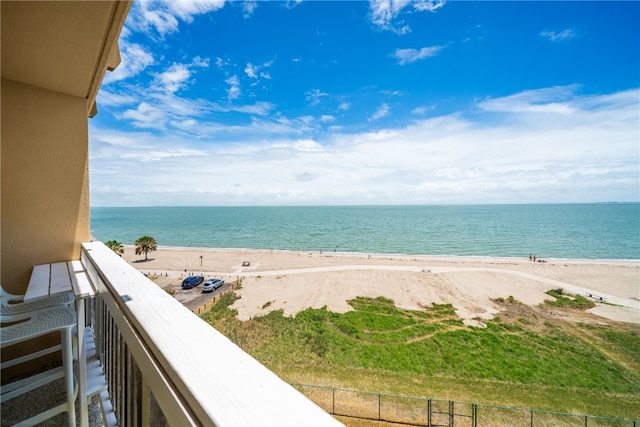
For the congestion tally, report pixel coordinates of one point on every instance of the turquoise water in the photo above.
(580, 231)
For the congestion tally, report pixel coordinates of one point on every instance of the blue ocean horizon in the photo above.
(598, 231)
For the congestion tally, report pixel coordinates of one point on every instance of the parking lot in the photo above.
(190, 298)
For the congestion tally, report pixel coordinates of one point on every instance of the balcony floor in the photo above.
(40, 399)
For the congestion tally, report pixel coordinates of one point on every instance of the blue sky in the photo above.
(370, 102)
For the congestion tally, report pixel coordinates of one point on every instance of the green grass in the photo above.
(522, 360)
(563, 299)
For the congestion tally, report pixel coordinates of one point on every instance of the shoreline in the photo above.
(295, 280)
(392, 254)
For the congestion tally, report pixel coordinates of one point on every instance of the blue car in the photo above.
(192, 281)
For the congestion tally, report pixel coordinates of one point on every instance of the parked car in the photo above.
(212, 284)
(192, 281)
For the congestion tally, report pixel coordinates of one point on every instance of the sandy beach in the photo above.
(293, 281)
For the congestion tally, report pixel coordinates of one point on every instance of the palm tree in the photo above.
(115, 246)
(145, 244)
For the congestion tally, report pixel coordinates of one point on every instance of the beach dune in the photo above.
(293, 281)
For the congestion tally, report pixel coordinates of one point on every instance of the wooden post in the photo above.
(333, 404)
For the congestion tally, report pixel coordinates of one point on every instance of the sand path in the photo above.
(294, 281)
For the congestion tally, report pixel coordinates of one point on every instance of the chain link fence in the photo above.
(416, 411)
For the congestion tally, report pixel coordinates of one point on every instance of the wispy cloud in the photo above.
(248, 7)
(419, 111)
(145, 116)
(164, 17)
(429, 6)
(173, 79)
(382, 111)
(556, 36)
(258, 71)
(409, 56)
(589, 153)
(315, 96)
(556, 100)
(134, 59)
(385, 13)
(107, 98)
(233, 92)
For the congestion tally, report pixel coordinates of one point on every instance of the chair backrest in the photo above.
(9, 298)
(11, 304)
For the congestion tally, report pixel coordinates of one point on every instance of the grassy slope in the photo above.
(527, 357)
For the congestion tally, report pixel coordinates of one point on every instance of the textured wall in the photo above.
(45, 188)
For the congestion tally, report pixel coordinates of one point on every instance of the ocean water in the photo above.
(576, 231)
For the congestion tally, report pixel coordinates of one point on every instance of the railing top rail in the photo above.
(218, 381)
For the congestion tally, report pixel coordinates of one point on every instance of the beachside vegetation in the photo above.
(562, 299)
(523, 358)
(144, 245)
(115, 246)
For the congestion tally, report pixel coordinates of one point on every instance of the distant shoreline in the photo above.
(387, 254)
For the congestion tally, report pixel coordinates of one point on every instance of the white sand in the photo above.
(293, 281)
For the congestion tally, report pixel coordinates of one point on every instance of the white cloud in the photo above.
(145, 116)
(134, 59)
(248, 7)
(107, 98)
(429, 6)
(251, 71)
(503, 152)
(260, 108)
(201, 62)
(384, 13)
(408, 56)
(256, 71)
(548, 100)
(222, 63)
(164, 16)
(173, 79)
(382, 111)
(144, 17)
(315, 96)
(186, 9)
(563, 35)
(308, 145)
(233, 92)
(420, 111)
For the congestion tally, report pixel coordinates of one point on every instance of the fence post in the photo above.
(379, 398)
(333, 404)
(474, 415)
(451, 413)
(532, 418)
(429, 412)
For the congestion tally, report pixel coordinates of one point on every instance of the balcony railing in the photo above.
(166, 366)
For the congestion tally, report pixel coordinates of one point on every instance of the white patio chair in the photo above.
(11, 304)
(26, 326)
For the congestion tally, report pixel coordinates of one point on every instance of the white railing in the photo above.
(166, 366)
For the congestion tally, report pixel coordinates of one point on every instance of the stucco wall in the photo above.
(45, 186)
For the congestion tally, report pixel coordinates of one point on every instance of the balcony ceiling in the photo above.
(59, 45)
